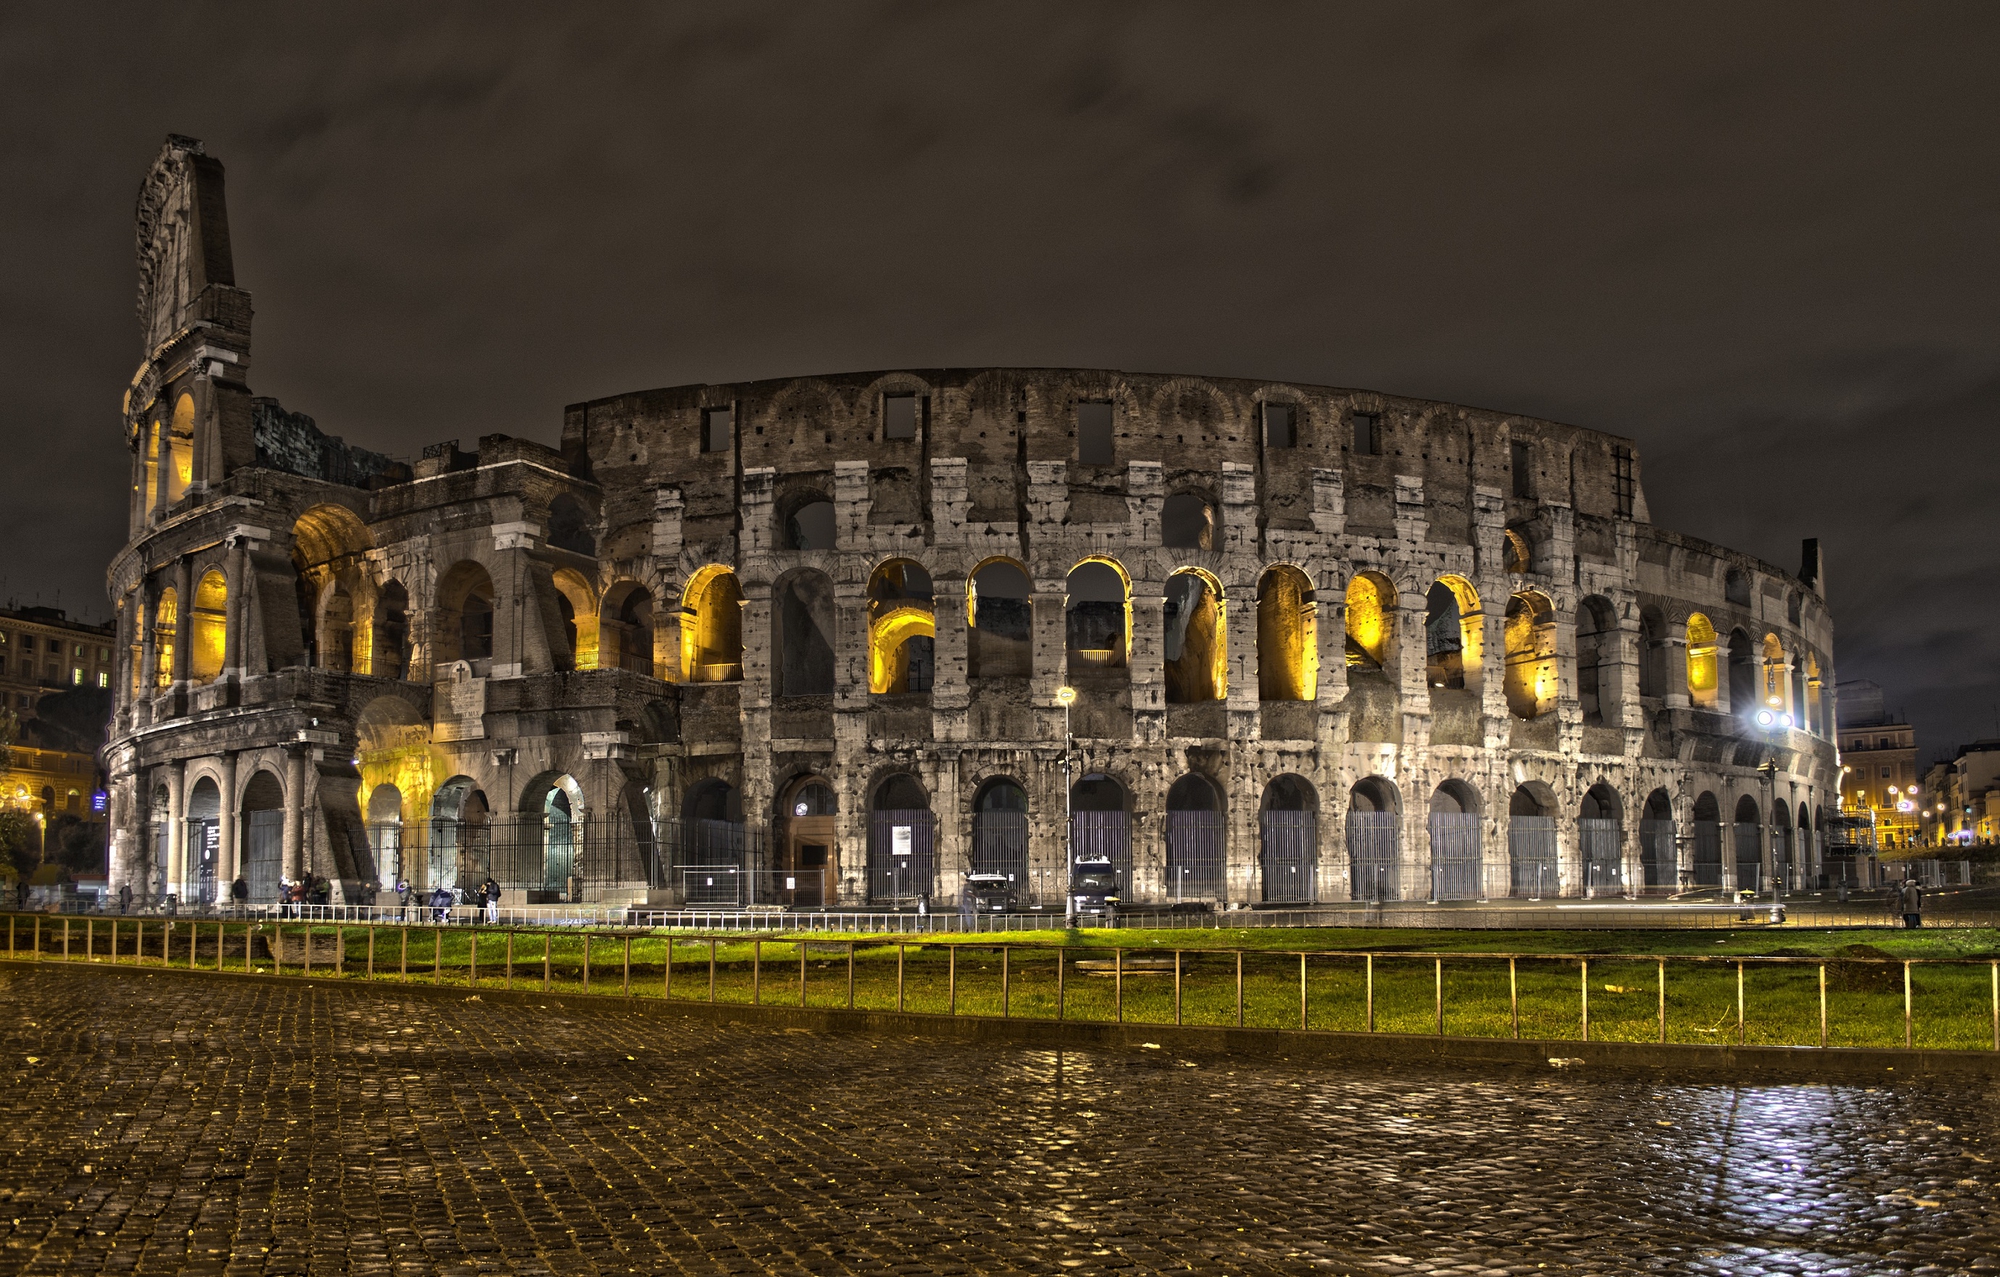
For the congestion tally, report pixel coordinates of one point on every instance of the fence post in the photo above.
(548, 971)
(114, 942)
(65, 939)
(626, 986)
(402, 963)
(850, 975)
(1663, 998)
(802, 971)
(1304, 1013)
(1007, 982)
(951, 983)
(1996, 1005)
(757, 972)
(437, 955)
(711, 968)
(90, 939)
(1440, 996)
(1584, 967)
(1177, 986)
(1062, 996)
(138, 942)
(1908, 1032)
(1370, 960)
(1239, 988)
(510, 958)
(900, 950)
(1739, 1004)
(1514, 996)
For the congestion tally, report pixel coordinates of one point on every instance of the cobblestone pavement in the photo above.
(158, 1123)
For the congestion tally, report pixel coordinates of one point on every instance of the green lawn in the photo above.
(976, 975)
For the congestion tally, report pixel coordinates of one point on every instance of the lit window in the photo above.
(103, 679)
(76, 678)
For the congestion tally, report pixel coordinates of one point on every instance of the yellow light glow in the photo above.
(1701, 660)
(712, 626)
(886, 635)
(1370, 619)
(1287, 637)
(209, 629)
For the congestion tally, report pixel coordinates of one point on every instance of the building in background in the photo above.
(43, 651)
(55, 704)
(1878, 755)
(1961, 803)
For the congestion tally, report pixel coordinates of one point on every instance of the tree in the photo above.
(20, 846)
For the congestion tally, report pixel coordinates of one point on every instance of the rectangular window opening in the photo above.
(1368, 433)
(1278, 431)
(899, 416)
(1521, 459)
(1624, 488)
(1093, 433)
(718, 429)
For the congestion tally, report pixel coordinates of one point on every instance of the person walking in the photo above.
(1910, 899)
(402, 898)
(441, 903)
(489, 894)
(124, 897)
(239, 892)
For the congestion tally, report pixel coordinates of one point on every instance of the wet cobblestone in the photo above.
(162, 1124)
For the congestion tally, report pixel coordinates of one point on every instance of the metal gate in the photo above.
(899, 856)
(1656, 853)
(1531, 856)
(1454, 856)
(1603, 856)
(1371, 855)
(1708, 854)
(1195, 855)
(1749, 856)
(1291, 856)
(263, 853)
(158, 874)
(1000, 846)
(204, 845)
(1107, 834)
(710, 861)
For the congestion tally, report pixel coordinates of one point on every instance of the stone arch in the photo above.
(1706, 837)
(802, 634)
(1736, 587)
(1098, 614)
(1744, 676)
(1597, 666)
(1000, 616)
(1196, 840)
(1000, 830)
(806, 521)
(1531, 680)
(208, 627)
(1775, 684)
(1653, 652)
(712, 626)
(262, 805)
(1197, 645)
(1187, 520)
(1371, 621)
(1100, 821)
(901, 831)
(335, 633)
(464, 627)
(548, 843)
(625, 628)
(389, 652)
(1531, 840)
(1287, 635)
(576, 647)
(1455, 842)
(1288, 825)
(383, 816)
(807, 845)
(166, 628)
(1658, 853)
(461, 835)
(902, 628)
(1454, 634)
(1703, 665)
(1374, 838)
(1747, 842)
(1516, 556)
(1601, 839)
(570, 525)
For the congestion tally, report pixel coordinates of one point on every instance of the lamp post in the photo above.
(1066, 697)
(1769, 768)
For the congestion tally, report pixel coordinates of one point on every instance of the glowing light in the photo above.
(1065, 696)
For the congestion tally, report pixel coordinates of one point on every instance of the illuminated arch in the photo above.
(1098, 630)
(1701, 661)
(1287, 636)
(180, 442)
(712, 626)
(1197, 645)
(166, 619)
(208, 628)
(1531, 680)
(625, 628)
(1776, 683)
(576, 602)
(901, 615)
(464, 629)
(1597, 665)
(1371, 620)
(999, 618)
(1454, 635)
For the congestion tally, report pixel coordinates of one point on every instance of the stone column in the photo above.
(176, 778)
(1051, 655)
(228, 857)
(1145, 659)
(1674, 655)
(183, 620)
(950, 689)
(1240, 617)
(295, 799)
(235, 563)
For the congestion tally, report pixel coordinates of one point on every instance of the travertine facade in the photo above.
(802, 640)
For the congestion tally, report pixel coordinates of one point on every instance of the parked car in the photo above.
(1093, 884)
(990, 893)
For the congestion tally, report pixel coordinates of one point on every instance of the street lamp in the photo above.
(1066, 697)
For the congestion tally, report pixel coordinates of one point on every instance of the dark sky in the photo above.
(1762, 240)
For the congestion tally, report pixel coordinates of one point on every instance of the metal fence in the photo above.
(1455, 862)
(1196, 856)
(1371, 855)
(1531, 856)
(1290, 856)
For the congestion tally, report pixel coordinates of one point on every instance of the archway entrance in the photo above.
(1656, 843)
(1099, 826)
(1000, 834)
(1531, 842)
(1455, 842)
(1707, 841)
(1195, 841)
(1290, 828)
(900, 863)
(1601, 831)
(461, 836)
(1373, 813)
(204, 842)
(1749, 847)
(709, 846)
(806, 873)
(263, 836)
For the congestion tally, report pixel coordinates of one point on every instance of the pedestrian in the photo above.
(441, 903)
(322, 891)
(489, 892)
(1910, 899)
(124, 897)
(239, 892)
(284, 897)
(402, 898)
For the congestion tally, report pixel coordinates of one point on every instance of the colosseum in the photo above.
(841, 640)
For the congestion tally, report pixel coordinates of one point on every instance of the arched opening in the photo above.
(1784, 854)
(166, 617)
(807, 870)
(570, 526)
(802, 619)
(154, 431)
(1805, 853)
(1657, 867)
(712, 627)
(210, 629)
(1601, 832)
(808, 523)
(1289, 821)
(1196, 841)
(1097, 613)
(1000, 608)
(263, 808)
(1777, 682)
(1736, 587)
(625, 629)
(1455, 856)
(385, 833)
(1197, 650)
(1100, 827)
(1514, 555)
(1000, 834)
(1815, 692)
(328, 545)
(1652, 652)
(1374, 814)
(336, 630)
(575, 645)
(1371, 621)
(902, 625)
(204, 843)
(465, 614)
(1287, 636)
(1744, 676)
(180, 455)
(900, 865)
(1597, 661)
(1531, 655)
(1531, 842)
(1187, 522)
(1453, 637)
(708, 848)
(1748, 845)
(1701, 661)
(541, 860)
(461, 835)
(1707, 850)
(391, 655)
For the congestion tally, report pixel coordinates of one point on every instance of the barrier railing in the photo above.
(1827, 1002)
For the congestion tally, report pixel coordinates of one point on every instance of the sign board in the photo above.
(900, 839)
(211, 842)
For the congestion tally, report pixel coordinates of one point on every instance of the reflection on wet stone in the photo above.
(158, 1124)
